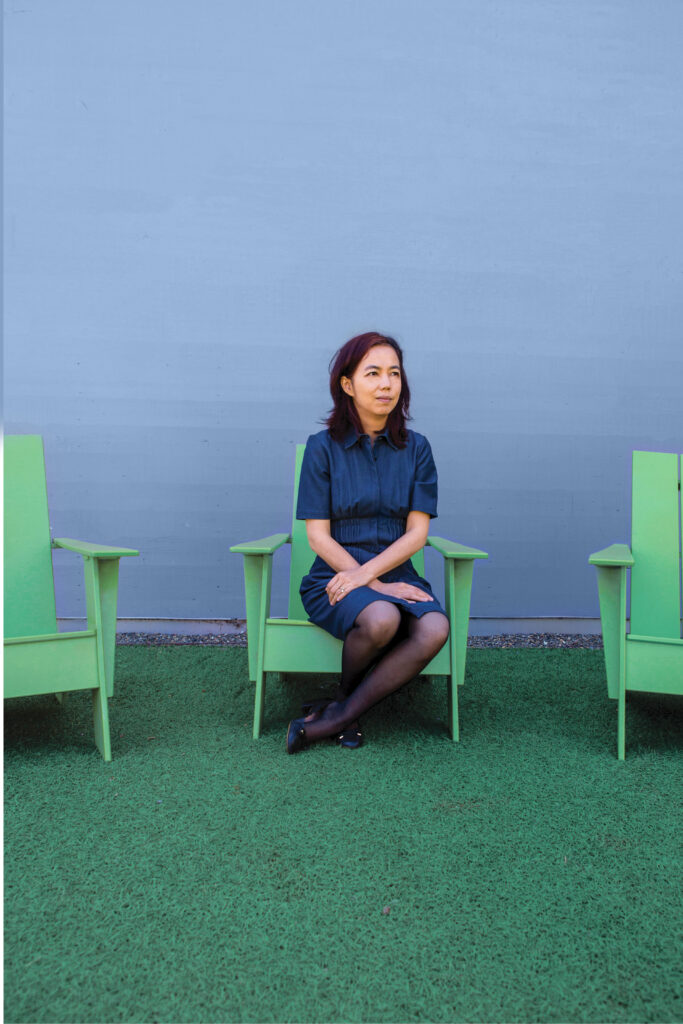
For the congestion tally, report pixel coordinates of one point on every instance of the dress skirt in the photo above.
(339, 618)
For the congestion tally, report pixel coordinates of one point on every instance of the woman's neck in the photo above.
(373, 428)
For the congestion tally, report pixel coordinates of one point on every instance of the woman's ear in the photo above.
(346, 386)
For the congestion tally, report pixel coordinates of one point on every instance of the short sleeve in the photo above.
(314, 483)
(425, 487)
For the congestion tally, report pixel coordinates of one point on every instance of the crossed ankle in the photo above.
(331, 721)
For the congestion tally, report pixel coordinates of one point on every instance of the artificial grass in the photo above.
(523, 874)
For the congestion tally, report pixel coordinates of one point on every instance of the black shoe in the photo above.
(296, 736)
(351, 737)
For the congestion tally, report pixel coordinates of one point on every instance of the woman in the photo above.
(368, 489)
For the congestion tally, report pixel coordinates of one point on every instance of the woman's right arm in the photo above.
(323, 544)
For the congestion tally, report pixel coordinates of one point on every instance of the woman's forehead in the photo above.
(382, 356)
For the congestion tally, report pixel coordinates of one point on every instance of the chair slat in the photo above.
(655, 543)
(302, 556)
(29, 583)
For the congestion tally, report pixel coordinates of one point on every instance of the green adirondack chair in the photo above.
(38, 659)
(650, 657)
(295, 645)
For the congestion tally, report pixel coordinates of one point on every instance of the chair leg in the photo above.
(101, 723)
(453, 720)
(100, 586)
(458, 592)
(621, 722)
(260, 697)
(259, 702)
(253, 584)
(109, 584)
(612, 596)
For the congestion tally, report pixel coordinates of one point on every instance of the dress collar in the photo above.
(353, 438)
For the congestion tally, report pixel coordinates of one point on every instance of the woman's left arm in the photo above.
(413, 540)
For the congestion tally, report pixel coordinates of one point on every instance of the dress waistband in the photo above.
(371, 532)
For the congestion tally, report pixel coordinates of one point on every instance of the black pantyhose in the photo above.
(371, 633)
(402, 662)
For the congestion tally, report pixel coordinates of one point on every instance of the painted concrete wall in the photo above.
(203, 201)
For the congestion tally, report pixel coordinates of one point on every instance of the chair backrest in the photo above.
(29, 583)
(302, 556)
(656, 545)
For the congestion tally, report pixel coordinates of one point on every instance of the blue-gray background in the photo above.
(203, 201)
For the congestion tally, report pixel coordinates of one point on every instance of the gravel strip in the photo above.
(587, 641)
(182, 639)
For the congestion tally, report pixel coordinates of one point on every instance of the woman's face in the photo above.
(375, 385)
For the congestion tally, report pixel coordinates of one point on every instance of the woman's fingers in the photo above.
(406, 592)
(338, 587)
(413, 594)
(341, 584)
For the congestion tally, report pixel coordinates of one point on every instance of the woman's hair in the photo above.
(343, 415)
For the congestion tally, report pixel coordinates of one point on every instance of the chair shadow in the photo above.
(43, 723)
(654, 722)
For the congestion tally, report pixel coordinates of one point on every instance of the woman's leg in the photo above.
(374, 629)
(406, 659)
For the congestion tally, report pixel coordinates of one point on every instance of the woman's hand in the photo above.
(406, 591)
(345, 581)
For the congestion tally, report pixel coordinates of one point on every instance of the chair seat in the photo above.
(290, 622)
(654, 664)
(44, 637)
(294, 645)
(71, 657)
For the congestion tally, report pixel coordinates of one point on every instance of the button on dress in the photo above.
(366, 491)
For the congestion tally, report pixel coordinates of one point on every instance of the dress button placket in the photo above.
(374, 466)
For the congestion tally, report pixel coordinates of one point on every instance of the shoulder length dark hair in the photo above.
(343, 416)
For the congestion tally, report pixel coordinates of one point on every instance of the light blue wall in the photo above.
(203, 201)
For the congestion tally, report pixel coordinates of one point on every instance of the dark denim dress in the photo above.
(366, 491)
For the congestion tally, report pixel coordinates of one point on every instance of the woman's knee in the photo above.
(432, 630)
(379, 622)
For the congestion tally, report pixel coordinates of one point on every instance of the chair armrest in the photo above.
(451, 549)
(82, 547)
(615, 555)
(265, 546)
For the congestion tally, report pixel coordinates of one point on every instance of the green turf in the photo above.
(522, 875)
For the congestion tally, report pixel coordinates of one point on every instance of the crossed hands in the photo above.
(341, 584)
